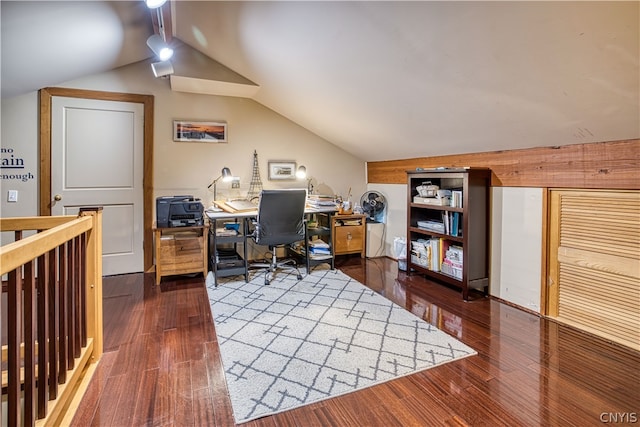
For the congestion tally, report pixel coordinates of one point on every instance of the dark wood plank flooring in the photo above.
(162, 367)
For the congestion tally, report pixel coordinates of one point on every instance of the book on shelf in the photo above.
(452, 268)
(225, 232)
(438, 254)
(454, 223)
(454, 253)
(444, 246)
(318, 243)
(429, 225)
(313, 254)
(319, 256)
(456, 198)
(452, 261)
(445, 220)
(435, 254)
(450, 224)
(421, 253)
(319, 250)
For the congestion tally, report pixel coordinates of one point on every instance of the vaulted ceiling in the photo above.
(382, 80)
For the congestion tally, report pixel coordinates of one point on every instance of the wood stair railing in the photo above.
(52, 293)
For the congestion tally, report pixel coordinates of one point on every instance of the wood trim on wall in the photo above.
(614, 164)
(45, 152)
(544, 258)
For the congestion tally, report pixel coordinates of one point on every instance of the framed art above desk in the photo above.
(195, 131)
(283, 170)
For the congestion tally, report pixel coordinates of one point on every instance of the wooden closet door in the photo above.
(594, 262)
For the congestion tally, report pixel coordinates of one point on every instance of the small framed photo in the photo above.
(280, 171)
(190, 131)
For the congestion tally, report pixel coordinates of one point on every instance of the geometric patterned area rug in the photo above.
(293, 343)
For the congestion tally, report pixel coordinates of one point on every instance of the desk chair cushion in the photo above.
(280, 217)
(280, 221)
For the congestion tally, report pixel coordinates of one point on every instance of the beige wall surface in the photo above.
(189, 167)
(19, 144)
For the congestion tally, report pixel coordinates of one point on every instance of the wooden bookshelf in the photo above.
(450, 243)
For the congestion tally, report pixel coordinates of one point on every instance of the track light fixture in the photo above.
(159, 47)
(158, 42)
(153, 4)
(161, 69)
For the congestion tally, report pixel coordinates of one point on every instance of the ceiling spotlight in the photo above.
(159, 47)
(153, 4)
(161, 69)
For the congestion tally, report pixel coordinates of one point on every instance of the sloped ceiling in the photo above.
(393, 80)
(46, 43)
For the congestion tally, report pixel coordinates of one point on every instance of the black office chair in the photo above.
(280, 222)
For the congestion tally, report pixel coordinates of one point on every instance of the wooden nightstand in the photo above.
(349, 234)
(181, 250)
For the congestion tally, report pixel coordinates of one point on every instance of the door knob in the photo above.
(57, 197)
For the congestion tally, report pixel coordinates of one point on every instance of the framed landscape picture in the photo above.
(282, 170)
(192, 131)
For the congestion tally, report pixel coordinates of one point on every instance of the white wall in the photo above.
(516, 239)
(516, 245)
(189, 168)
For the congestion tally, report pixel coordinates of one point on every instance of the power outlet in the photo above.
(235, 183)
(12, 196)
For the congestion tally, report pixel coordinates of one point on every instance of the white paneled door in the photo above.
(97, 160)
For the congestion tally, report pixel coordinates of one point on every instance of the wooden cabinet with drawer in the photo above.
(349, 234)
(180, 250)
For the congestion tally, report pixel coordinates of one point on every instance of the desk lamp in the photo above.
(226, 177)
(301, 173)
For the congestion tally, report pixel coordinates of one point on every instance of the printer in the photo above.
(179, 211)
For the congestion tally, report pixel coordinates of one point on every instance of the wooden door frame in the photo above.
(45, 100)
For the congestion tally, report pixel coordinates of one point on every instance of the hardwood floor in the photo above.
(162, 367)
